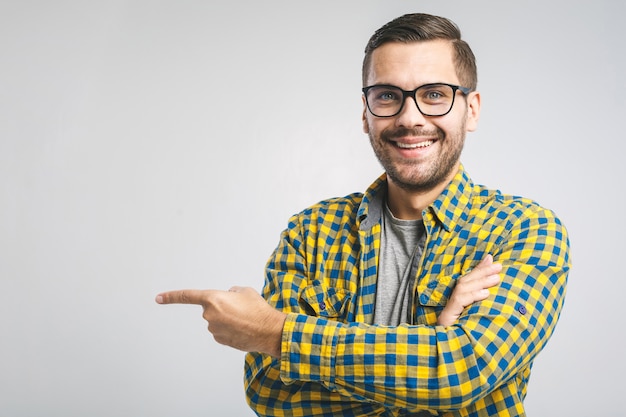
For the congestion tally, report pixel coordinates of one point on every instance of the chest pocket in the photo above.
(328, 302)
(435, 290)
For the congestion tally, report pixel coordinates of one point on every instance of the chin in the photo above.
(419, 181)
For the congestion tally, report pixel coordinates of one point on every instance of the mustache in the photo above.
(391, 134)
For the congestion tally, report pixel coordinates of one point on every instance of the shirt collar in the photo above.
(371, 207)
(451, 206)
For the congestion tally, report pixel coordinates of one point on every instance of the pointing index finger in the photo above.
(182, 297)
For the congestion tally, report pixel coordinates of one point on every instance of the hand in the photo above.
(239, 318)
(469, 289)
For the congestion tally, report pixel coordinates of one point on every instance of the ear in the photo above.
(473, 111)
(366, 127)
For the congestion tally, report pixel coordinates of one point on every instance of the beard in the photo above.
(414, 175)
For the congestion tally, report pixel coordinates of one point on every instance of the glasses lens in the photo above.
(435, 99)
(384, 100)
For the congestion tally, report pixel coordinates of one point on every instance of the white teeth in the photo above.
(414, 145)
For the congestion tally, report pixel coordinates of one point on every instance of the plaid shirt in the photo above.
(336, 363)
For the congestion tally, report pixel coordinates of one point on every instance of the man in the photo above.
(369, 292)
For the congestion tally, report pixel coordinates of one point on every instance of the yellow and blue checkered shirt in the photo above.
(336, 363)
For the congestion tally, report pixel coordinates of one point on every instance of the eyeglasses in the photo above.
(431, 99)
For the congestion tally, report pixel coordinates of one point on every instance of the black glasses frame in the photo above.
(412, 94)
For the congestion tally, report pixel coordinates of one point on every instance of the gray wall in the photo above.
(155, 145)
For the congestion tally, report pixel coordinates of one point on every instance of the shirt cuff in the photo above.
(308, 350)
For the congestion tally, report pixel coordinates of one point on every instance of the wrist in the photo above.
(274, 333)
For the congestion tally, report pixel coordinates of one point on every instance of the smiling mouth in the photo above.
(424, 144)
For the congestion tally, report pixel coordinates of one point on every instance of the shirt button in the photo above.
(432, 284)
(322, 306)
(424, 298)
(522, 309)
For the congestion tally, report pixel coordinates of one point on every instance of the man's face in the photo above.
(418, 152)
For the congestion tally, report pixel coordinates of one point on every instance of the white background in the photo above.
(156, 145)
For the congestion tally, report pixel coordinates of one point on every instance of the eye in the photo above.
(435, 94)
(387, 95)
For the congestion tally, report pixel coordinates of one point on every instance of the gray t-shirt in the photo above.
(402, 244)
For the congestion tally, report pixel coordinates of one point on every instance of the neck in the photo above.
(408, 204)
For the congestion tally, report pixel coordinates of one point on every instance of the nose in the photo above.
(410, 116)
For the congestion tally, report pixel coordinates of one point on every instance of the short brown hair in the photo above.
(417, 27)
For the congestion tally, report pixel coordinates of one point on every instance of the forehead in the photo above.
(409, 65)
